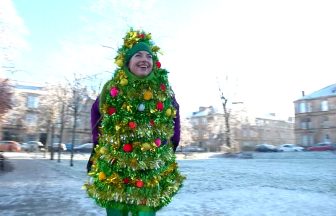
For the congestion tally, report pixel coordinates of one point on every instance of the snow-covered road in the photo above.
(270, 184)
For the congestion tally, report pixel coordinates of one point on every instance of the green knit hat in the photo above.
(141, 46)
(135, 41)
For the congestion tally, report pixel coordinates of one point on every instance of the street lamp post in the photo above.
(226, 120)
(76, 101)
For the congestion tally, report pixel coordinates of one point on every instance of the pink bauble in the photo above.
(114, 91)
(158, 142)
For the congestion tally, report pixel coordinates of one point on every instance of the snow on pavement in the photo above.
(270, 184)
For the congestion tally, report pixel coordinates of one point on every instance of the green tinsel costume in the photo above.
(134, 165)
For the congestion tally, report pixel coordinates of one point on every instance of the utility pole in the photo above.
(229, 122)
(227, 115)
(226, 120)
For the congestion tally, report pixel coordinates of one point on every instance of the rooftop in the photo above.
(324, 92)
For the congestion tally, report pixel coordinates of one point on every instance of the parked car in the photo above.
(84, 148)
(56, 146)
(322, 147)
(266, 148)
(8, 145)
(32, 146)
(290, 148)
(189, 149)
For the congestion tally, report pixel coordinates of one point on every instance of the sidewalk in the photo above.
(38, 186)
(288, 184)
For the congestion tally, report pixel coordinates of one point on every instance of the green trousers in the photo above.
(124, 212)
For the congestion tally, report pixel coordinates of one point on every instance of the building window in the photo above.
(302, 107)
(324, 105)
(326, 138)
(309, 107)
(260, 122)
(325, 122)
(245, 132)
(32, 101)
(305, 123)
(31, 119)
(307, 140)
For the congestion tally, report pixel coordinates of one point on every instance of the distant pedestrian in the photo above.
(2, 161)
(136, 130)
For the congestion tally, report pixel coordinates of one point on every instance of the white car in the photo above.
(56, 146)
(290, 147)
(32, 146)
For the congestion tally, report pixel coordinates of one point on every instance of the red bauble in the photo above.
(139, 183)
(111, 110)
(126, 180)
(158, 64)
(163, 87)
(159, 106)
(132, 125)
(127, 147)
(151, 122)
(141, 36)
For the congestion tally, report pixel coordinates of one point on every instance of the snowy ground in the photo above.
(270, 184)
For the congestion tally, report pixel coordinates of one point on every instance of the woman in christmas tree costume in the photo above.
(136, 129)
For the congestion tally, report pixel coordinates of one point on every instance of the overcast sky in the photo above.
(262, 52)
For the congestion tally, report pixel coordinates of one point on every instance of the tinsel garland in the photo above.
(134, 163)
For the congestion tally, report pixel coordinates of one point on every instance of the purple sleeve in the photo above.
(175, 139)
(95, 121)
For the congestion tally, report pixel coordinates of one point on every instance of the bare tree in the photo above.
(53, 108)
(16, 116)
(186, 132)
(5, 96)
(78, 101)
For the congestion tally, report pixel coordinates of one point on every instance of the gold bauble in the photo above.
(134, 162)
(123, 82)
(103, 150)
(148, 95)
(145, 146)
(168, 112)
(119, 62)
(101, 176)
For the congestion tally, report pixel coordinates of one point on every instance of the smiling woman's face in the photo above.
(141, 64)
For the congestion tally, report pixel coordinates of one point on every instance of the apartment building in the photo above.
(315, 117)
(208, 130)
(23, 122)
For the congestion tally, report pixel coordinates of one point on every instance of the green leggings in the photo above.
(124, 212)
